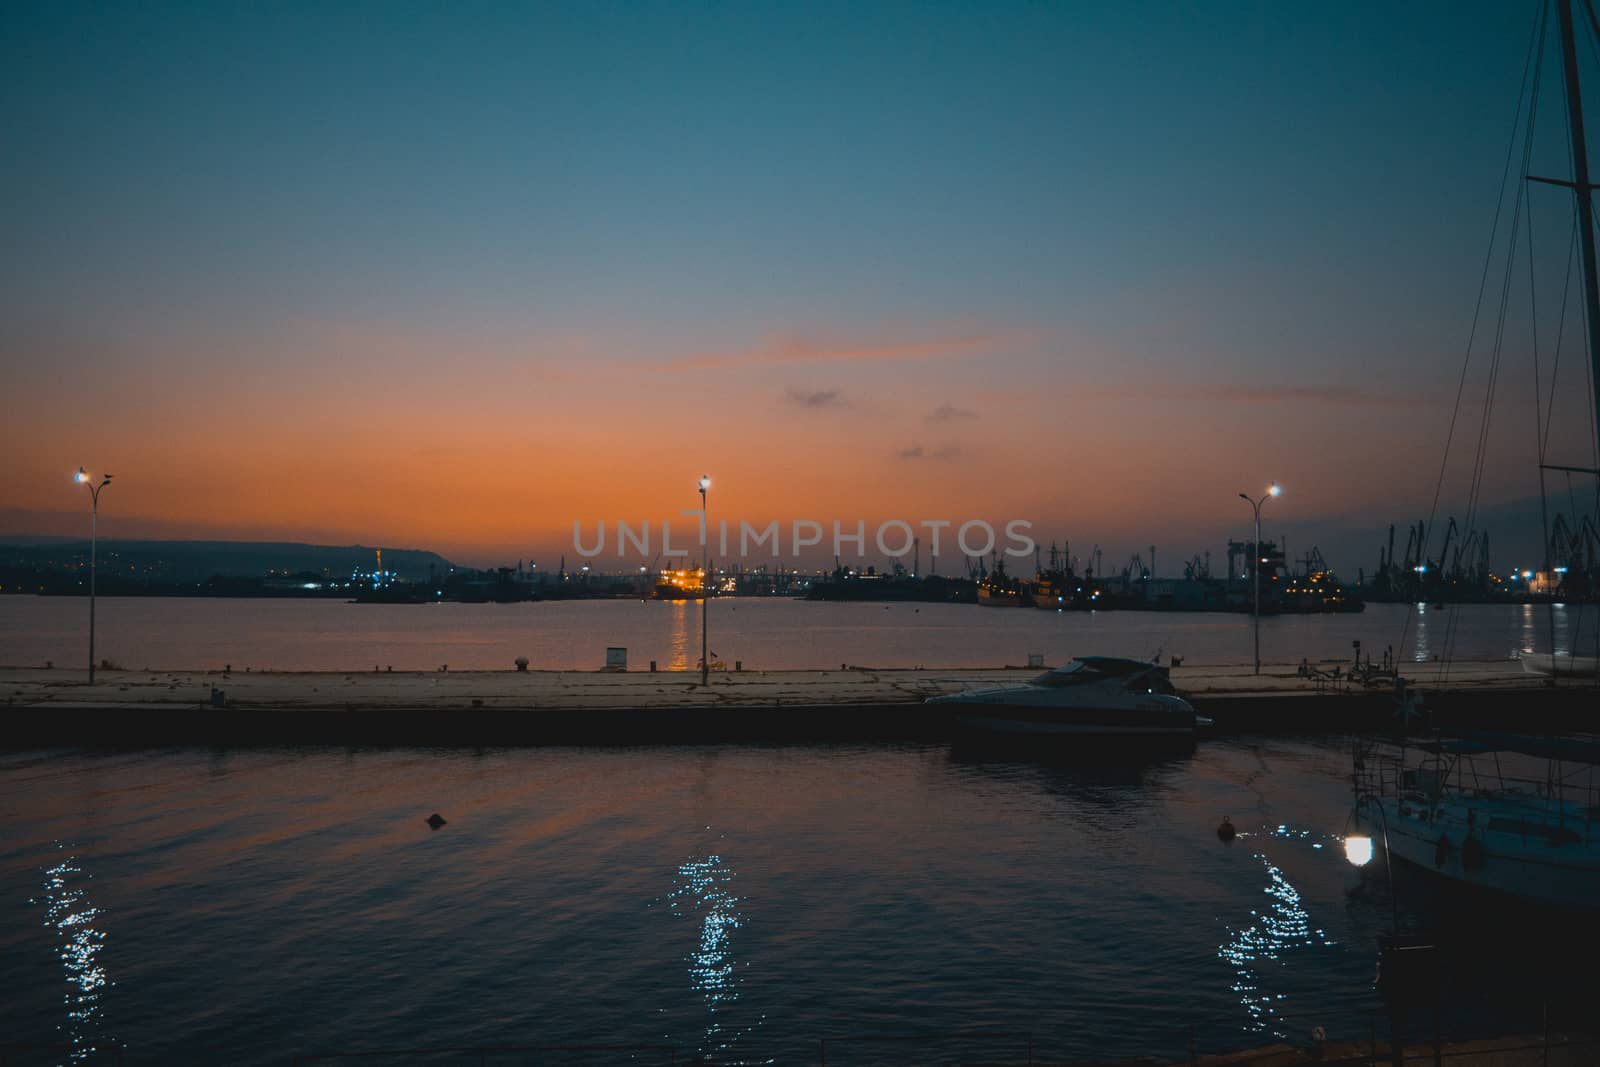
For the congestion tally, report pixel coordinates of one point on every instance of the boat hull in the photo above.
(1106, 724)
(1563, 874)
(1561, 664)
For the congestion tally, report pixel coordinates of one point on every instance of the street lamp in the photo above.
(84, 478)
(1255, 566)
(705, 592)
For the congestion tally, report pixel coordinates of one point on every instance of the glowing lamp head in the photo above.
(705, 482)
(1274, 489)
(81, 477)
(1358, 849)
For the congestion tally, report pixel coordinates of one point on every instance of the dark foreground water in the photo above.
(244, 907)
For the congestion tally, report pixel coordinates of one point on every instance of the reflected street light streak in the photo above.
(704, 891)
(70, 915)
(1286, 925)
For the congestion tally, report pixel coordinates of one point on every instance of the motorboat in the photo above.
(1562, 664)
(1436, 807)
(1092, 696)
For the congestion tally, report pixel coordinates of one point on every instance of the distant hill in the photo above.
(193, 561)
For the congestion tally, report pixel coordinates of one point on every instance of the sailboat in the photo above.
(1449, 807)
(1445, 804)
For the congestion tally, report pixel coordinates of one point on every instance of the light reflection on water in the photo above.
(679, 660)
(704, 894)
(1528, 636)
(70, 915)
(1422, 643)
(1256, 952)
(1556, 626)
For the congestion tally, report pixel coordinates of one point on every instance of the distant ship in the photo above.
(999, 590)
(1058, 587)
(681, 585)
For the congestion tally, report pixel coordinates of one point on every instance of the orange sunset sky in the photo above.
(331, 275)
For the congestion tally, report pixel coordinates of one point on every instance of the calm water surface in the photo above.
(209, 633)
(233, 906)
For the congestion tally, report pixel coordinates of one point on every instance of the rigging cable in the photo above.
(1592, 40)
(1535, 42)
(1481, 452)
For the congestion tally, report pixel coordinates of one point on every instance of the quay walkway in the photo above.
(645, 707)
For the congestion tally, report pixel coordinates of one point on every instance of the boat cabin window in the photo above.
(1068, 676)
(1139, 676)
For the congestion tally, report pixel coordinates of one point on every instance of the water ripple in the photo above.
(704, 893)
(71, 916)
(1284, 926)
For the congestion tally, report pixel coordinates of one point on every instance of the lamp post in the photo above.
(705, 591)
(1255, 566)
(84, 478)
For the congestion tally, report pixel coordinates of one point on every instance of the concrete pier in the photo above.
(48, 707)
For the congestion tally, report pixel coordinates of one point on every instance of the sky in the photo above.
(455, 276)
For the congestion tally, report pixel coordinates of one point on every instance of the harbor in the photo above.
(853, 535)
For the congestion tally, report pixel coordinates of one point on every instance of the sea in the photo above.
(856, 905)
(740, 904)
(761, 634)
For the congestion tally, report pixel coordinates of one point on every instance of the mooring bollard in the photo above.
(738, 665)
(652, 666)
(218, 698)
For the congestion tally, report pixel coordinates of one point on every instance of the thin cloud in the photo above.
(951, 413)
(800, 350)
(917, 452)
(818, 398)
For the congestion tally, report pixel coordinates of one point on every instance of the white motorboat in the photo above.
(1536, 839)
(1560, 664)
(1092, 696)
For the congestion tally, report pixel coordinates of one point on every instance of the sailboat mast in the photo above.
(1583, 193)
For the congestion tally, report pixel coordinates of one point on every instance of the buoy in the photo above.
(1226, 832)
(435, 820)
